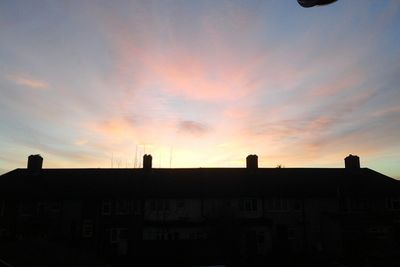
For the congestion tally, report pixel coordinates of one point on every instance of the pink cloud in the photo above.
(386, 111)
(114, 130)
(187, 76)
(28, 81)
(193, 127)
(263, 98)
(177, 70)
(336, 85)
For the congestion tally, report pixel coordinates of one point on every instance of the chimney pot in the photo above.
(352, 162)
(35, 163)
(252, 162)
(147, 162)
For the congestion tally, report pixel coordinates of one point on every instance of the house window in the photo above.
(276, 204)
(379, 232)
(135, 206)
(162, 204)
(123, 233)
(396, 203)
(87, 228)
(118, 234)
(393, 203)
(55, 206)
(180, 203)
(176, 236)
(159, 236)
(291, 233)
(3, 232)
(159, 205)
(296, 205)
(201, 235)
(250, 238)
(359, 204)
(27, 208)
(226, 203)
(41, 208)
(193, 236)
(282, 232)
(106, 207)
(171, 236)
(113, 235)
(153, 235)
(260, 237)
(197, 235)
(248, 204)
(122, 207)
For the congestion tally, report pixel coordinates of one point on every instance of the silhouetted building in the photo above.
(201, 216)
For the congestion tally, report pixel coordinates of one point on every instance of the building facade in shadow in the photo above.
(200, 216)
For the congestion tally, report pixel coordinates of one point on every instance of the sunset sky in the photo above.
(200, 83)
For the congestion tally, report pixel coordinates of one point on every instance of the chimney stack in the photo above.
(35, 163)
(252, 162)
(352, 162)
(147, 162)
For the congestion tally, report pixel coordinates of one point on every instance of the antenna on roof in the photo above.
(135, 163)
(170, 158)
(112, 160)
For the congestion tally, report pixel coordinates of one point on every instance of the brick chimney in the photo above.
(35, 163)
(147, 162)
(352, 162)
(252, 162)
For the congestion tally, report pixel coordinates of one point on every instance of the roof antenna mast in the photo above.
(135, 163)
(170, 158)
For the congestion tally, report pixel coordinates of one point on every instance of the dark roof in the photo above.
(196, 182)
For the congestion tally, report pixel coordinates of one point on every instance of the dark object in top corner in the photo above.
(311, 3)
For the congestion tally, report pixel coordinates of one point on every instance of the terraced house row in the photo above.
(200, 216)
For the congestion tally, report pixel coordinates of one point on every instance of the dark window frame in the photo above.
(106, 207)
(122, 207)
(87, 228)
(248, 204)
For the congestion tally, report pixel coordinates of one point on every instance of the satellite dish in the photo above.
(311, 3)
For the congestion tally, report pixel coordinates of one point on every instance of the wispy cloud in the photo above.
(192, 127)
(387, 111)
(28, 81)
(222, 78)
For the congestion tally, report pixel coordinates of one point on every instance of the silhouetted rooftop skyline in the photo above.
(200, 83)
